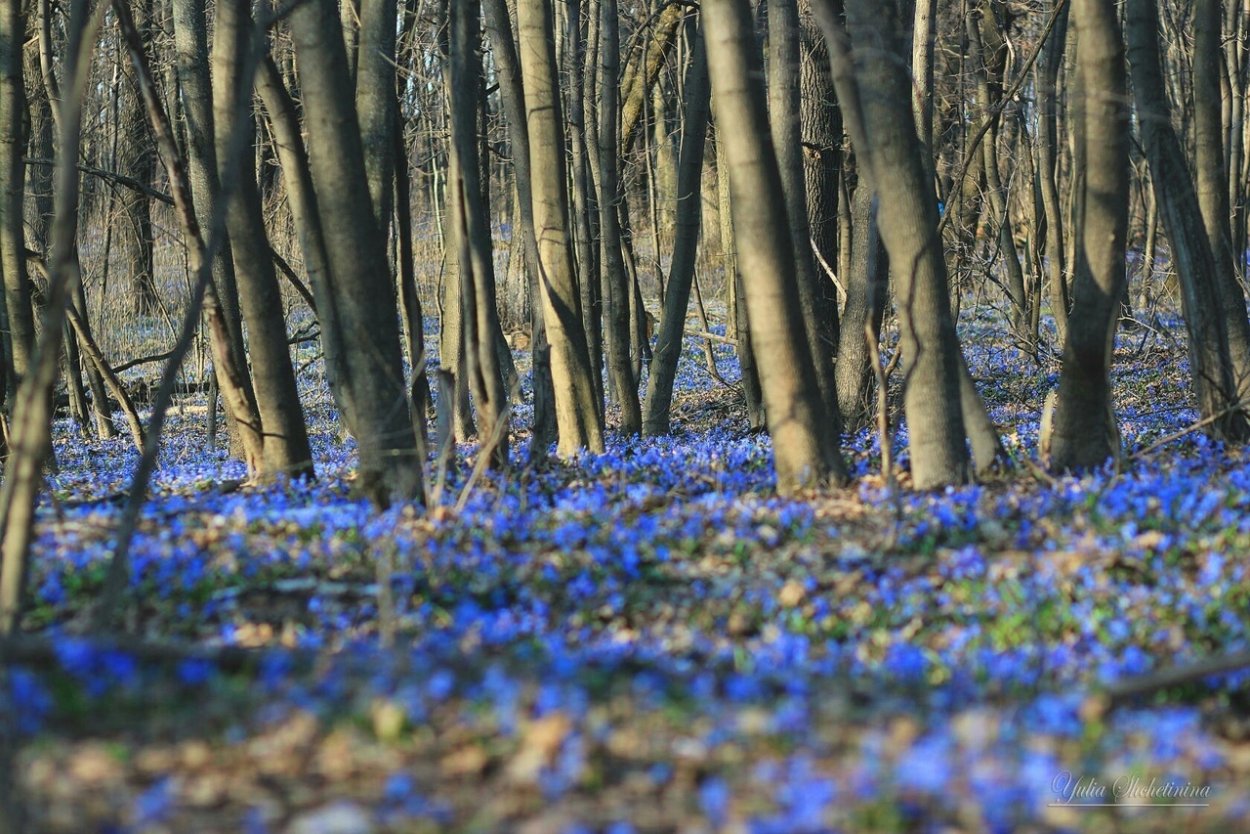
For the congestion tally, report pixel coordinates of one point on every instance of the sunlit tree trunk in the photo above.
(785, 106)
(805, 449)
(284, 438)
(1084, 431)
(512, 96)
(473, 233)
(577, 415)
(21, 317)
(876, 96)
(1212, 370)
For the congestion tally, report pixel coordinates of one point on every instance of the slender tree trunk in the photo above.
(1047, 144)
(586, 204)
(191, 61)
(577, 415)
(689, 223)
(1212, 370)
(474, 234)
(785, 107)
(302, 203)
(1209, 162)
(135, 160)
(752, 394)
(21, 317)
(284, 442)
(512, 96)
(616, 277)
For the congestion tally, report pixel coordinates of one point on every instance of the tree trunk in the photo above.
(753, 396)
(191, 61)
(686, 245)
(512, 96)
(616, 278)
(866, 286)
(21, 317)
(577, 415)
(375, 102)
(1213, 374)
(785, 108)
(875, 95)
(1084, 431)
(135, 160)
(822, 163)
(284, 442)
(374, 387)
(1047, 144)
(473, 232)
(805, 450)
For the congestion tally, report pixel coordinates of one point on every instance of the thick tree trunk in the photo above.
(875, 94)
(805, 450)
(374, 386)
(1084, 432)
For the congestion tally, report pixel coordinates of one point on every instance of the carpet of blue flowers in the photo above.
(651, 640)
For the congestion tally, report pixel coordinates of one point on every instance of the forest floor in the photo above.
(651, 640)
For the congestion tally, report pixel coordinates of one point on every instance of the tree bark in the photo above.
(616, 277)
(17, 298)
(374, 387)
(473, 233)
(668, 344)
(805, 451)
(284, 438)
(577, 416)
(1213, 374)
(1084, 431)
(785, 108)
(875, 94)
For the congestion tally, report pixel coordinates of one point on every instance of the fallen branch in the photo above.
(1118, 693)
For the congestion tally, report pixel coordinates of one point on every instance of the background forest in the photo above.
(598, 415)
